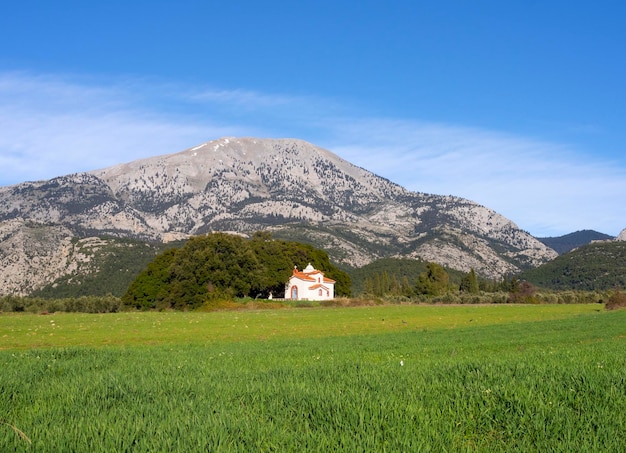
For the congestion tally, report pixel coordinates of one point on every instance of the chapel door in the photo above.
(294, 292)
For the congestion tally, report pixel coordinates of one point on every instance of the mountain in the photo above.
(52, 261)
(598, 266)
(294, 189)
(563, 244)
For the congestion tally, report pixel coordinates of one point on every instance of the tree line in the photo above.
(435, 280)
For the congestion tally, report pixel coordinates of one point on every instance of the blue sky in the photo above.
(518, 105)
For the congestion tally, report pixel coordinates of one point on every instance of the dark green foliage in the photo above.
(222, 266)
(84, 304)
(594, 267)
(434, 281)
(387, 276)
(568, 242)
(401, 275)
(149, 285)
(469, 283)
(384, 284)
(276, 259)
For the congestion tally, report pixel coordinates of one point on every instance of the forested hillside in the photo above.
(563, 244)
(594, 267)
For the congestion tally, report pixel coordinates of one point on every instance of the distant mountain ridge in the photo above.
(565, 243)
(294, 189)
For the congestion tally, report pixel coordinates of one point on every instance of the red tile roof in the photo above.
(303, 276)
(319, 285)
(308, 276)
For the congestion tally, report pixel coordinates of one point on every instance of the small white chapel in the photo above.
(309, 284)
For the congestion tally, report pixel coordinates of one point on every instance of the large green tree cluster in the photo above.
(220, 265)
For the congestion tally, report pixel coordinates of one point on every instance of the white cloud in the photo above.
(53, 125)
(547, 188)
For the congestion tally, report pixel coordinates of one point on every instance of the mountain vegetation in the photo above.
(563, 244)
(294, 189)
(394, 277)
(223, 266)
(111, 268)
(396, 273)
(469, 283)
(93, 233)
(434, 281)
(47, 260)
(595, 267)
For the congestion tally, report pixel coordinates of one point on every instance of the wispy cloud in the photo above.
(241, 98)
(53, 125)
(547, 188)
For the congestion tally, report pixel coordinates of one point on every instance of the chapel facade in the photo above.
(309, 284)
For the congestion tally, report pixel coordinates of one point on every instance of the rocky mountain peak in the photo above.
(291, 187)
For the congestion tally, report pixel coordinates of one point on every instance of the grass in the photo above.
(397, 378)
(160, 328)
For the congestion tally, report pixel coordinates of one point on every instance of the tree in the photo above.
(394, 286)
(469, 283)
(223, 266)
(407, 291)
(432, 282)
(378, 291)
(145, 290)
(368, 287)
(523, 293)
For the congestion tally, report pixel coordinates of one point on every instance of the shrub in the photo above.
(304, 304)
(617, 300)
(84, 304)
(524, 294)
(12, 304)
(216, 305)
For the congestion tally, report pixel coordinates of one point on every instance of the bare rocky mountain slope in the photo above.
(34, 255)
(293, 188)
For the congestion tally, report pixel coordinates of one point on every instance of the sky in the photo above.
(518, 105)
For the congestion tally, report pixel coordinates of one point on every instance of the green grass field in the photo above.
(388, 378)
